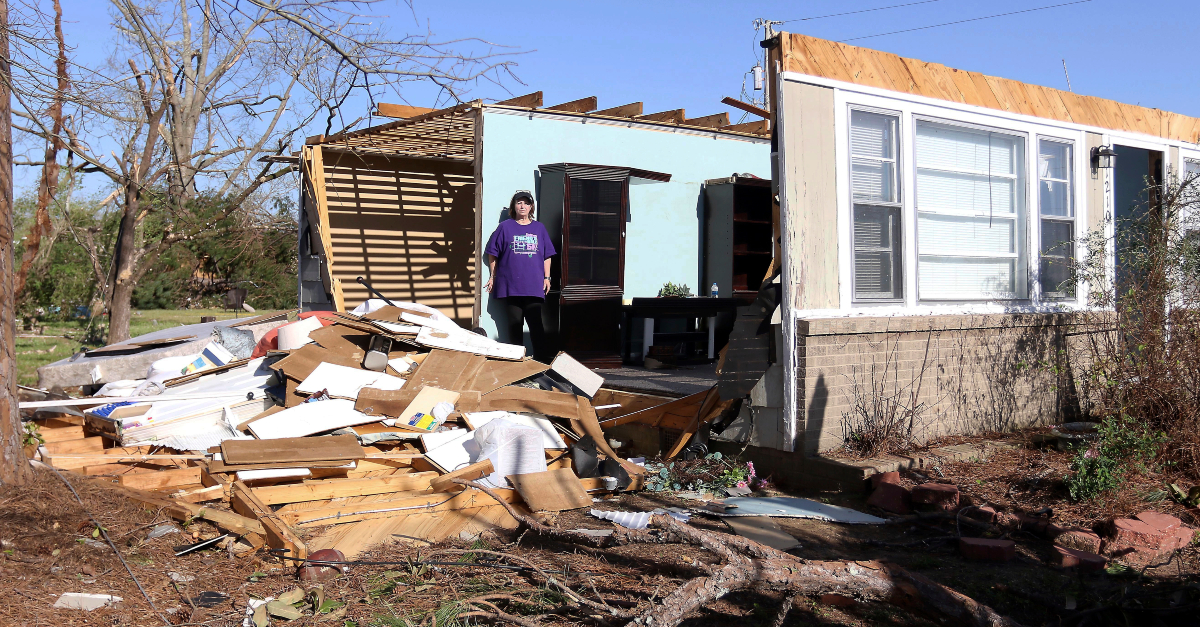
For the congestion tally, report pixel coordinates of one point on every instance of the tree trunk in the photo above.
(49, 187)
(14, 468)
(123, 281)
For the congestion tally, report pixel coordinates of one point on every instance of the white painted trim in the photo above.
(625, 123)
(787, 291)
(1120, 136)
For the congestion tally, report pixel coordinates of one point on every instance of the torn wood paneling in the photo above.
(551, 491)
(495, 374)
(332, 447)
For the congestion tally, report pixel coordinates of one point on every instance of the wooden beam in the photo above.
(400, 507)
(674, 115)
(230, 522)
(716, 120)
(388, 110)
(323, 490)
(161, 479)
(747, 107)
(533, 100)
(703, 415)
(279, 534)
(583, 105)
(474, 471)
(758, 127)
(630, 110)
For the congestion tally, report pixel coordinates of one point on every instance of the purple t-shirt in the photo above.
(520, 251)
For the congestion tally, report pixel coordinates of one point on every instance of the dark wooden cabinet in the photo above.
(737, 235)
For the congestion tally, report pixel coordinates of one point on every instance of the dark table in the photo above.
(694, 307)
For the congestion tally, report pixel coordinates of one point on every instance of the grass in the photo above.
(60, 339)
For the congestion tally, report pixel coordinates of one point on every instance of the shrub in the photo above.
(1125, 445)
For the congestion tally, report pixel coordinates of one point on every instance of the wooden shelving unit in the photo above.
(737, 235)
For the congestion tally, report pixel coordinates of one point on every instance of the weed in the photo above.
(1125, 445)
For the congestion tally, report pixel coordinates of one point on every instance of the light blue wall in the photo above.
(663, 233)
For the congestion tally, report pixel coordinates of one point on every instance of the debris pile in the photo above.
(338, 430)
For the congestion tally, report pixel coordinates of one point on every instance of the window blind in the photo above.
(876, 219)
(970, 197)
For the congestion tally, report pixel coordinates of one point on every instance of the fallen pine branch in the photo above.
(749, 565)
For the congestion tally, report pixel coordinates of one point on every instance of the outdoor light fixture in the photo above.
(1103, 157)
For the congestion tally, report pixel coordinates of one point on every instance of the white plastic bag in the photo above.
(513, 449)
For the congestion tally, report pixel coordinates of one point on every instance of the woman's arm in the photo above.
(546, 285)
(491, 271)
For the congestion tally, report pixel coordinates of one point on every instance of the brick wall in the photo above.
(971, 373)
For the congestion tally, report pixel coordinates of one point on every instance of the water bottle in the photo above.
(712, 291)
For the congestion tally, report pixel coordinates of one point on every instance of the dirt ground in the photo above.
(49, 546)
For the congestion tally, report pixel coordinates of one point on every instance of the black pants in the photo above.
(522, 309)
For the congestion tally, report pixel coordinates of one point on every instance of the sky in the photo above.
(689, 55)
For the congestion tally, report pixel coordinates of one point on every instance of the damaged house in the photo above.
(928, 217)
(407, 206)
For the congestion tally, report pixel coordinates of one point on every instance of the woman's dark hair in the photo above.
(512, 204)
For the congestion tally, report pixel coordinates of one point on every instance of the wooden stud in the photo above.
(583, 105)
(389, 110)
(474, 471)
(674, 115)
(703, 415)
(630, 110)
(709, 121)
(278, 534)
(745, 106)
(757, 127)
(322, 490)
(533, 100)
(161, 479)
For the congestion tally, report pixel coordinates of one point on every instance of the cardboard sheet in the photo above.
(309, 418)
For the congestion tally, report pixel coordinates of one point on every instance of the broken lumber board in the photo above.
(703, 415)
(443, 369)
(674, 415)
(113, 470)
(92, 443)
(59, 434)
(530, 401)
(477, 470)
(439, 502)
(551, 491)
(161, 479)
(495, 374)
(302, 361)
(307, 449)
(211, 493)
(233, 523)
(320, 490)
(279, 535)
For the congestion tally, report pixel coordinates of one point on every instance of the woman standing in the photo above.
(519, 253)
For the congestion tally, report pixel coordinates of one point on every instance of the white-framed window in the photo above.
(970, 208)
(875, 188)
(1056, 204)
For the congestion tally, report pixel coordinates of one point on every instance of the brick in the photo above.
(1139, 557)
(892, 498)
(1159, 521)
(884, 477)
(983, 513)
(1064, 557)
(938, 496)
(1033, 524)
(987, 550)
(1181, 538)
(1078, 540)
(1127, 532)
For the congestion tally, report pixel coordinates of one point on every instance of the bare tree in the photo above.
(198, 92)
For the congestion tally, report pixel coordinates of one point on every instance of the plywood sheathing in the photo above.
(862, 66)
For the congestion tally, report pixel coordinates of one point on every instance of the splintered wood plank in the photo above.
(389, 110)
(704, 414)
(495, 374)
(161, 479)
(61, 433)
(309, 449)
(279, 535)
(383, 509)
(90, 444)
(551, 491)
(319, 490)
(469, 473)
(528, 400)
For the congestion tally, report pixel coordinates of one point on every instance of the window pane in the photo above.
(1054, 160)
(968, 193)
(872, 135)
(970, 201)
(1191, 167)
(966, 278)
(1058, 252)
(877, 253)
(1055, 198)
(872, 180)
(594, 239)
(958, 235)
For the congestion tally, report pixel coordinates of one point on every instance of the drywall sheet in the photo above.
(309, 418)
(345, 382)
